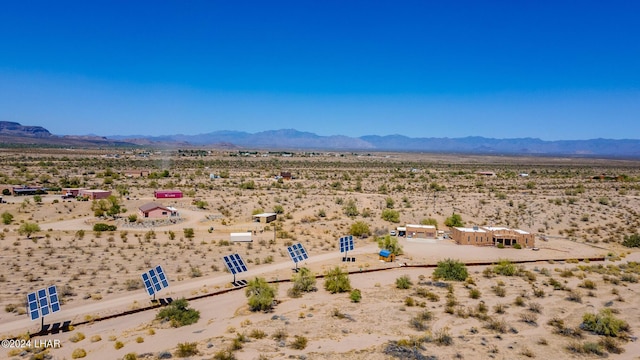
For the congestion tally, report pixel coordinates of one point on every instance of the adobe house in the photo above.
(492, 236)
(422, 231)
(155, 210)
(94, 194)
(265, 218)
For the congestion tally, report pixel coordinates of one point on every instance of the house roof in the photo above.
(264, 215)
(152, 206)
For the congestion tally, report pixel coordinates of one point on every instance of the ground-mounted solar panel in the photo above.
(53, 299)
(154, 280)
(43, 302)
(235, 264)
(297, 253)
(346, 243)
(162, 277)
(32, 304)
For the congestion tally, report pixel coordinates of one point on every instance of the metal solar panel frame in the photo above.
(346, 243)
(43, 302)
(234, 263)
(162, 277)
(146, 280)
(54, 301)
(32, 306)
(297, 253)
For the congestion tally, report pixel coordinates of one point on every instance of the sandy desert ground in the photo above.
(574, 216)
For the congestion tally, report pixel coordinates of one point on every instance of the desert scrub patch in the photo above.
(78, 354)
(605, 323)
(179, 314)
(77, 337)
(187, 349)
(404, 282)
(299, 342)
(452, 270)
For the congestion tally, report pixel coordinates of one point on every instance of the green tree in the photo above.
(450, 269)
(455, 220)
(337, 281)
(429, 221)
(350, 208)
(7, 218)
(359, 228)
(303, 281)
(390, 243)
(260, 294)
(28, 229)
(391, 215)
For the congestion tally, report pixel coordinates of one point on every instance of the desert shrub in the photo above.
(604, 323)
(104, 227)
(390, 243)
(78, 354)
(391, 215)
(409, 301)
(299, 342)
(303, 281)
(7, 218)
(474, 293)
(224, 354)
(629, 241)
(450, 269)
(187, 349)
(418, 324)
(611, 345)
(337, 281)
(443, 337)
(257, 334)
(260, 294)
(360, 228)
(529, 318)
(350, 208)
(505, 267)
(77, 337)
(118, 345)
(403, 282)
(588, 284)
(425, 293)
(130, 356)
(575, 295)
(355, 295)
(498, 325)
(132, 217)
(179, 314)
(280, 335)
(517, 246)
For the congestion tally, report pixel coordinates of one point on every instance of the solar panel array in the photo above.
(43, 302)
(235, 264)
(155, 280)
(346, 243)
(297, 253)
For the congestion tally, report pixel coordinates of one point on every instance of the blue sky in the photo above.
(546, 69)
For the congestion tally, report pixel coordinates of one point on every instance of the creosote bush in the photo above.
(179, 314)
(604, 323)
(260, 294)
(450, 269)
(337, 281)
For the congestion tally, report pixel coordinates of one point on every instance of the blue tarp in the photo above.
(385, 253)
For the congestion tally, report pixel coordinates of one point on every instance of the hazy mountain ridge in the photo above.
(291, 139)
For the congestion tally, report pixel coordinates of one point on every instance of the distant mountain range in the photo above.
(289, 139)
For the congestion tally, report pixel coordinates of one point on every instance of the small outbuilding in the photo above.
(167, 194)
(387, 255)
(265, 218)
(154, 210)
(94, 194)
(422, 231)
(241, 237)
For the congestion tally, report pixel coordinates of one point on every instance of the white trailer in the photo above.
(241, 237)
